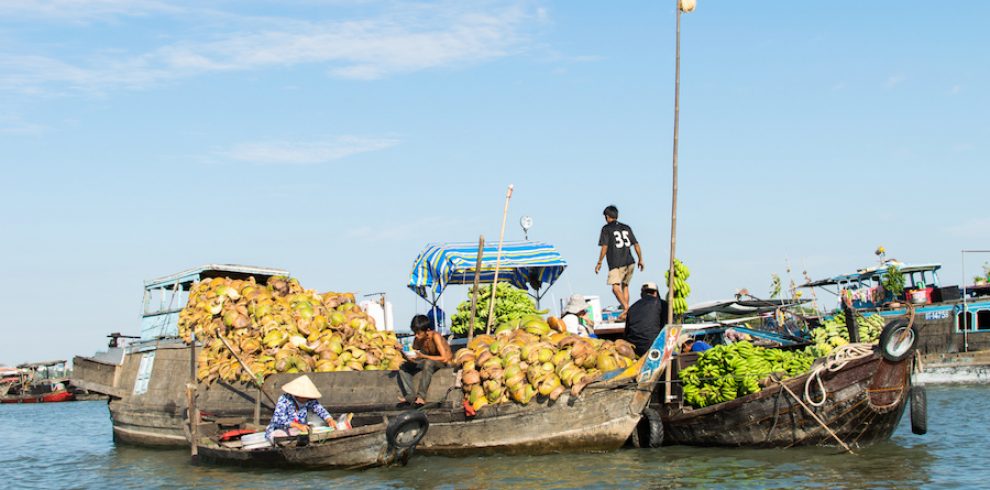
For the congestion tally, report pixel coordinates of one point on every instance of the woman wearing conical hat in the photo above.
(300, 398)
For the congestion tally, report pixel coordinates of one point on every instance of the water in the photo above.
(69, 445)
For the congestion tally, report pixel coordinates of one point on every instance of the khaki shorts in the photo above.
(621, 275)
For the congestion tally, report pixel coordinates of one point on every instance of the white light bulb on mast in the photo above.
(526, 223)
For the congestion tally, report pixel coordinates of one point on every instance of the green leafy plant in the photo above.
(775, 286)
(510, 303)
(893, 281)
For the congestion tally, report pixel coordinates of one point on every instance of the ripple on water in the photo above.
(69, 445)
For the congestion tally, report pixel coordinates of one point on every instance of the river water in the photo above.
(69, 445)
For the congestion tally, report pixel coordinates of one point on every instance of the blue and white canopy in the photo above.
(523, 264)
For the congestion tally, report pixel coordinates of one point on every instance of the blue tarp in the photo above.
(523, 264)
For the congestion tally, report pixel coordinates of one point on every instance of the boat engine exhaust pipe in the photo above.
(850, 315)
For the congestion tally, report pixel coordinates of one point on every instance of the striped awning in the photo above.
(523, 264)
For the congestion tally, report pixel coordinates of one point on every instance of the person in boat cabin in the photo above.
(431, 352)
(615, 241)
(690, 344)
(575, 317)
(646, 318)
(294, 406)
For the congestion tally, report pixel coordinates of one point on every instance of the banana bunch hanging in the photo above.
(681, 288)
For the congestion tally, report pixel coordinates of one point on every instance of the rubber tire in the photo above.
(888, 332)
(412, 420)
(919, 410)
(649, 430)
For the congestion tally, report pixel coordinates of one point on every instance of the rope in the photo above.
(814, 416)
(834, 362)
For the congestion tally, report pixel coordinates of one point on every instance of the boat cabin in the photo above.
(166, 296)
(866, 290)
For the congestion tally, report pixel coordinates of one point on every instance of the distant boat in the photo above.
(951, 323)
(31, 383)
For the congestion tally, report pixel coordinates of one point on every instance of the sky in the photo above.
(336, 138)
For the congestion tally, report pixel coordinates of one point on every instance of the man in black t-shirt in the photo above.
(646, 319)
(615, 241)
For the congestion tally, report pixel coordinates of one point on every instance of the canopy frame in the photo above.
(526, 265)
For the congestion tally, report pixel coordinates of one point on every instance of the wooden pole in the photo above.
(673, 205)
(257, 407)
(244, 366)
(498, 259)
(191, 399)
(474, 290)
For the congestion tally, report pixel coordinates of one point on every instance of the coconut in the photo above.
(549, 384)
(625, 349)
(470, 377)
(606, 362)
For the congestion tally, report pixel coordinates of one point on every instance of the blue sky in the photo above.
(336, 138)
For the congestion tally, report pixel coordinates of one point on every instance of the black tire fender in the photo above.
(649, 430)
(919, 410)
(897, 341)
(407, 429)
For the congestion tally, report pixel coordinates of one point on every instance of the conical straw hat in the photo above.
(303, 387)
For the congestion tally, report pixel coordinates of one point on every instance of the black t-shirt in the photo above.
(644, 320)
(620, 239)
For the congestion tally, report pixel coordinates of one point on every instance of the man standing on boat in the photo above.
(615, 241)
(646, 318)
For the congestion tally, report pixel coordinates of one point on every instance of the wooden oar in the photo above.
(245, 366)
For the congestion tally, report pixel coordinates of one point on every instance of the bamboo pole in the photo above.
(498, 259)
(191, 400)
(245, 367)
(474, 290)
(673, 205)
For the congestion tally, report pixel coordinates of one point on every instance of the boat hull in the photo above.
(53, 397)
(366, 448)
(600, 419)
(865, 402)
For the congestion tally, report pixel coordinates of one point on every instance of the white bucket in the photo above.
(256, 438)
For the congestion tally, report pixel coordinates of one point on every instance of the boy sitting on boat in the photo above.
(432, 352)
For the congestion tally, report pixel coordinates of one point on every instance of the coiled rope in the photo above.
(835, 361)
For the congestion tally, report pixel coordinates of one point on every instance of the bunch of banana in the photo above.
(729, 371)
(681, 288)
(833, 333)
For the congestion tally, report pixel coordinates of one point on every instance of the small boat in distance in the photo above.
(36, 382)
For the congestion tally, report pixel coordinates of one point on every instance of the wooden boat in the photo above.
(389, 442)
(51, 397)
(147, 390)
(854, 397)
(864, 403)
(31, 383)
(600, 418)
(952, 322)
